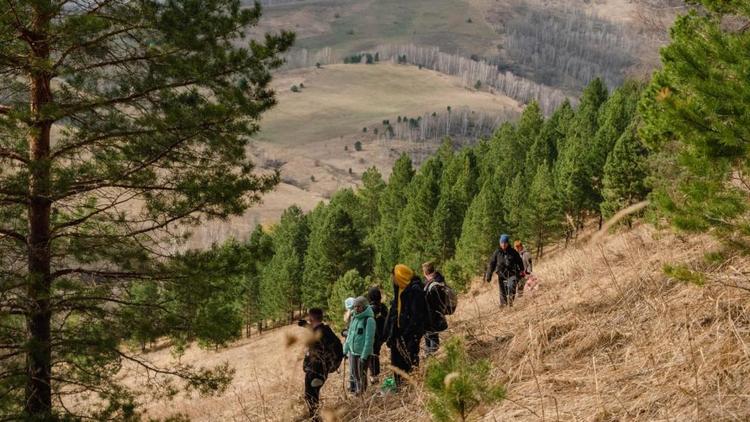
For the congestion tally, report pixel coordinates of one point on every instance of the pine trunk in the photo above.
(38, 403)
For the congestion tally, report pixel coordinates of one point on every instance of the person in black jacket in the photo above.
(508, 266)
(406, 320)
(319, 358)
(381, 315)
(434, 290)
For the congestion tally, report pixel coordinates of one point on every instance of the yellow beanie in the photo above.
(402, 275)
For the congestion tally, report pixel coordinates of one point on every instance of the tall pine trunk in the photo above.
(38, 403)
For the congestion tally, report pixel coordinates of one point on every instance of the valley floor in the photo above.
(607, 337)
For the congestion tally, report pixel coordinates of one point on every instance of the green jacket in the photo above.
(361, 334)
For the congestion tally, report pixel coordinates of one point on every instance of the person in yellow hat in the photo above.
(406, 320)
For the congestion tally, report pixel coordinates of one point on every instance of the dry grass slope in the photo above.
(607, 337)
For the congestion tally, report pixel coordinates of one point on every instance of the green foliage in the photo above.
(684, 274)
(575, 171)
(358, 146)
(350, 284)
(336, 246)
(696, 115)
(280, 287)
(484, 221)
(385, 238)
(459, 384)
(541, 216)
(625, 174)
(416, 221)
(294, 88)
(152, 105)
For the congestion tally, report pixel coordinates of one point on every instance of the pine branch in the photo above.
(6, 153)
(13, 234)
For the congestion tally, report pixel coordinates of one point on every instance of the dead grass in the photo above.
(606, 337)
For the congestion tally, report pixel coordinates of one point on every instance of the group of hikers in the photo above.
(418, 310)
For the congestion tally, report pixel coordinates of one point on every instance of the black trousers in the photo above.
(405, 355)
(374, 362)
(312, 394)
(508, 291)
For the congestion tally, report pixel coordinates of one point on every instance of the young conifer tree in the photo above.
(696, 115)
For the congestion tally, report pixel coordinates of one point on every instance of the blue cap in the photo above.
(349, 303)
(505, 239)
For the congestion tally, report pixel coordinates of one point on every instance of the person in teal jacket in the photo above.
(359, 342)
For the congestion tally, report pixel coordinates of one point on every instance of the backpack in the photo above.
(334, 350)
(448, 297)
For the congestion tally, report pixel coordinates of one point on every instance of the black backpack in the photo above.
(448, 297)
(334, 350)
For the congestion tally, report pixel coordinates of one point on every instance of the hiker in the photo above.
(434, 290)
(527, 265)
(359, 343)
(381, 314)
(406, 320)
(508, 266)
(323, 356)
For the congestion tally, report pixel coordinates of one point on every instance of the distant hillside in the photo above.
(562, 43)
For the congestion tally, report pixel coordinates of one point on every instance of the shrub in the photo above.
(358, 146)
(295, 88)
(459, 384)
(684, 274)
(312, 178)
(478, 85)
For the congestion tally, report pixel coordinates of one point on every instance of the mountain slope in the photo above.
(607, 337)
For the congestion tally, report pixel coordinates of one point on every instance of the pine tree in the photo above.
(348, 285)
(614, 117)
(625, 174)
(259, 253)
(459, 186)
(550, 140)
(416, 220)
(482, 225)
(528, 129)
(696, 114)
(371, 193)
(335, 247)
(514, 202)
(152, 104)
(393, 202)
(574, 172)
(459, 384)
(542, 217)
(281, 278)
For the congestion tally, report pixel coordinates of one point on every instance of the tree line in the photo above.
(470, 70)
(540, 179)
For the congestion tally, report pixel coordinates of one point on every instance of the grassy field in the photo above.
(346, 26)
(340, 100)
